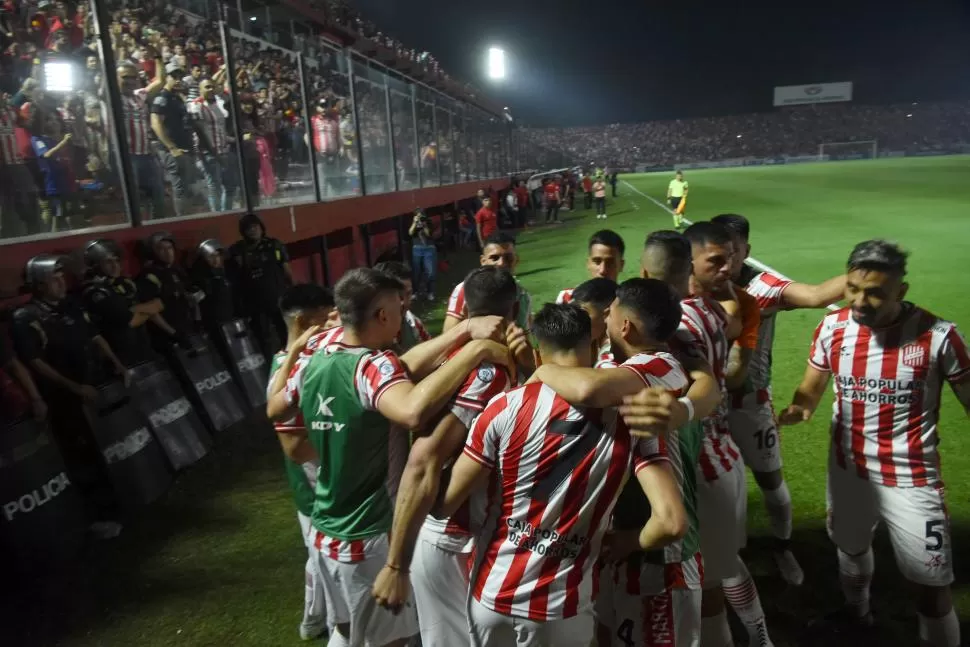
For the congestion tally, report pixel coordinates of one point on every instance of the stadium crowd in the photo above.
(56, 120)
(792, 131)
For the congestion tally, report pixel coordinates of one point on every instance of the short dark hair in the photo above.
(879, 256)
(397, 269)
(654, 303)
(564, 326)
(598, 292)
(675, 256)
(608, 238)
(708, 233)
(499, 238)
(735, 222)
(490, 290)
(356, 292)
(303, 297)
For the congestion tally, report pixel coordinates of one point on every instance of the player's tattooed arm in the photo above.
(590, 387)
(803, 295)
(806, 398)
(413, 405)
(421, 360)
(962, 391)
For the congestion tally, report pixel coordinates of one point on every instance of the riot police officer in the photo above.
(209, 275)
(263, 269)
(112, 300)
(19, 394)
(53, 335)
(163, 279)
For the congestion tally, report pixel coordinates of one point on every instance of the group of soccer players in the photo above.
(577, 474)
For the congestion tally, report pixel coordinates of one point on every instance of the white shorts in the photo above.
(651, 604)
(722, 512)
(755, 432)
(439, 578)
(490, 629)
(348, 592)
(314, 597)
(307, 529)
(916, 517)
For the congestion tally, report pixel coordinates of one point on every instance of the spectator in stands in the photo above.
(191, 83)
(212, 145)
(135, 103)
(53, 158)
(170, 123)
(424, 255)
(325, 126)
(17, 188)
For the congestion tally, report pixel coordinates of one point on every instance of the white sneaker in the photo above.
(791, 572)
(312, 631)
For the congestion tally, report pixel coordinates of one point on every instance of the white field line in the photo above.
(753, 262)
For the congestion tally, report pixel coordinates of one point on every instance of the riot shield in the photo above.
(178, 428)
(43, 513)
(202, 367)
(135, 461)
(246, 361)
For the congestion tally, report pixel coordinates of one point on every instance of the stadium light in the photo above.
(496, 63)
(252, 19)
(909, 115)
(59, 76)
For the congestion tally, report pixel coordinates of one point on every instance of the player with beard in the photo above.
(349, 394)
(890, 359)
(702, 263)
(751, 416)
(557, 471)
(605, 259)
(442, 548)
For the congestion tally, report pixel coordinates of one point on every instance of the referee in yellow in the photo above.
(677, 197)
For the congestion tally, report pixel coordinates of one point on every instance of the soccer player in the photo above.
(595, 296)
(751, 416)
(645, 599)
(700, 264)
(599, 192)
(605, 259)
(677, 194)
(558, 471)
(413, 331)
(890, 359)
(444, 547)
(303, 307)
(499, 251)
(349, 394)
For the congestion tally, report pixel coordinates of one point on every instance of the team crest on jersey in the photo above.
(486, 374)
(386, 369)
(914, 355)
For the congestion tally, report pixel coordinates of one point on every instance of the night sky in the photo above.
(606, 61)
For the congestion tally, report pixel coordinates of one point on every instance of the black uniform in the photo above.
(14, 402)
(171, 285)
(218, 307)
(261, 282)
(109, 302)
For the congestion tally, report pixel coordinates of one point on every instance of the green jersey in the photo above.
(297, 477)
(337, 389)
(682, 448)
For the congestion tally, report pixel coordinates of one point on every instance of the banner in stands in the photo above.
(793, 95)
(176, 425)
(202, 367)
(43, 514)
(136, 462)
(246, 361)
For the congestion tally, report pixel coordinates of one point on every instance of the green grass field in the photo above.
(219, 561)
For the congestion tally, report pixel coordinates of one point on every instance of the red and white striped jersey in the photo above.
(294, 424)
(9, 152)
(456, 302)
(137, 121)
(373, 376)
(484, 383)
(326, 134)
(702, 334)
(768, 289)
(557, 474)
(212, 116)
(323, 339)
(887, 387)
(604, 357)
(566, 296)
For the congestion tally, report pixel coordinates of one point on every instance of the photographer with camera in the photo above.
(424, 255)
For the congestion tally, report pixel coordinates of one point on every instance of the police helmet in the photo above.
(41, 267)
(248, 220)
(99, 250)
(210, 246)
(153, 240)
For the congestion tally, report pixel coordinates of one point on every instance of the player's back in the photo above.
(888, 385)
(557, 474)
